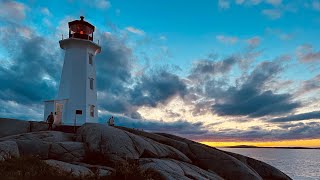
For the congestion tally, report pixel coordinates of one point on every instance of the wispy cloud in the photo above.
(298, 117)
(280, 34)
(274, 2)
(12, 10)
(45, 11)
(102, 4)
(227, 39)
(135, 30)
(272, 13)
(316, 5)
(306, 53)
(224, 4)
(254, 41)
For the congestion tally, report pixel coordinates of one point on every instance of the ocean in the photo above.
(299, 164)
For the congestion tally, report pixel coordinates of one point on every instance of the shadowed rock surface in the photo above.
(98, 149)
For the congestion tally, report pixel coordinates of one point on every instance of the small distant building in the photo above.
(77, 97)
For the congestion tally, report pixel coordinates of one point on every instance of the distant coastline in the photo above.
(245, 146)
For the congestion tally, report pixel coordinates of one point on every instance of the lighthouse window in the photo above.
(90, 59)
(92, 110)
(91, 83)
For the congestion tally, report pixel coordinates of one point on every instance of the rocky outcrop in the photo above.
(173, 169)
(97, 149)
(6, 128)
(211, 158)
(265, 170)
(110, 141)
(38, 143)
(97, 169)
(33, 148)
(67, 151)
(75, 170)
(206, 157)
(8, 149)
(47, 136)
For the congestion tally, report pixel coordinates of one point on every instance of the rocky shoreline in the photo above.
(102, 148)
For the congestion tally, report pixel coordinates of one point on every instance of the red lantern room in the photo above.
(81, 29)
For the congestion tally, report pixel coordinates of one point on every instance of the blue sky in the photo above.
(191, 68)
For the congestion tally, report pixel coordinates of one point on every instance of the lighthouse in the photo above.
(76, 102)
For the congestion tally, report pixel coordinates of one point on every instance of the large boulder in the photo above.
(47, 136)
(38, 126)
(8, 149)
(265, 170)
(12, 126)
(215, 160)
(173, 169)
(76, 170)
(37, 143)
(113, 142)
(179, 145)
(67, 151)
(97, 169)
(35, 148)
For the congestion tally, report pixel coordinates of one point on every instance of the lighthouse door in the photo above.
(58, 118)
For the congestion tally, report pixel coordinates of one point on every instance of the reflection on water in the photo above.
(300, 164)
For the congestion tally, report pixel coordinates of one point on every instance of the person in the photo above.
(111, 121)
(50, 121)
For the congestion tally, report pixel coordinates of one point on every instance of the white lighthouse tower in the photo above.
(76, 102)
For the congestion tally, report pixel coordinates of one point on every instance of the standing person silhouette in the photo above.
(50, 121)
(111, 121)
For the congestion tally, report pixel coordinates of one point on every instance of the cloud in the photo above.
(284, 132)
(298, 117)
(307, 54)
(179, 127)
(163, 38)
(272, 13)
(102, 4)
(12, 109)
(135, 30)
(156, 88)
(281, 35)
(315, 5)
(12, 10)
(240, 1)
(223, 4)
(254, 41)
(250, 99)
(209, 67)
(309, 86)
(227, 39)
(45, 11)
(30, 75)
(24, 80)
(274, 2)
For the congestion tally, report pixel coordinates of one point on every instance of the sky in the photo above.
(221, 72)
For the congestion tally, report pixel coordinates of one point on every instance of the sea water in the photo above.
(299, 164)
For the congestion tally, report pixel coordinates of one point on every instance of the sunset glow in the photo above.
(312, 143)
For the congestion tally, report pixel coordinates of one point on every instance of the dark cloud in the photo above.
(30, 76)
(287, 132)
(298, 117)
(210, 67)
(156, 88)
(310, 85)
(250, 99)
(120, 91)
(179, 127)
